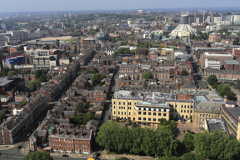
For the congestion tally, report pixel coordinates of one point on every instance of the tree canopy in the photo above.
(136, 140)
(10, 73)
(122, 51)
(189, 156)
(188, 141)
(165, 124)
(216, 145)
(80, 107)
(212, 79)
(23, 103)
(34, 85)
(147, 75)
(97, 77)
(38, 156)
(169, 158)
(184, 73)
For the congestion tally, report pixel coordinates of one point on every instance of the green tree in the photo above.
(23, 103)
(169, 158)
(165, 124)
(188, 156)
(97, 77)
(87, 104)
(2, 116)
(238, 84)
(10, 73)
(37, 156)
(144, 85)
(34, 85)
(212, 79)
(43, 78)
(147, 75)
(184, 73)
(216, 145)
(80, 107)
(122, 158)
(87, 117)
(188, 141)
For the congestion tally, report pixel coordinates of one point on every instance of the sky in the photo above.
(84, 5)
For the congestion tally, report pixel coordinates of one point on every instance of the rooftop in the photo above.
(216, 124)
(231, 61)
(4, 82)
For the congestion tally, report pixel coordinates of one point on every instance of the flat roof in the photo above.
(216, 124)
(234, 111)
(4, 82)
(231, 61)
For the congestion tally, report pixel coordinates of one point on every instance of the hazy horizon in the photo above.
(101, 5)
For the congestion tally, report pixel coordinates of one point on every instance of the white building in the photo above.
(212, 63)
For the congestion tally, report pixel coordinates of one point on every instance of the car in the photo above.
(19, 147)
(109, 117)
(183, 131)
(96, 155)
(64, 155)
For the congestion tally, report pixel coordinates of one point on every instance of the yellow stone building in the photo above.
(149, 107)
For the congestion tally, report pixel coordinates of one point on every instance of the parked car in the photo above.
(64, 155)
(183, 131)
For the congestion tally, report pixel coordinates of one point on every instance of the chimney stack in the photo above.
(81, 133)
(66, 132)
(58, 131)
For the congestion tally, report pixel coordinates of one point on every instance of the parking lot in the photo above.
(187, 126)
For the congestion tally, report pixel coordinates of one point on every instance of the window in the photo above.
(149, 113)
(123, 103)
(139, 113)
(121, 113)
(154, 114)
(149, 119)
(182, 116)
(124, 113)
(186, 116)
(188, 106)
(181, 111)
(119, 103)
(130, 103)
(129, 113)
(175, 106)
(191, 111)
(190, 117)
(154, 119)
(114, 112)
(114, 102)
(181, 106)
(159, 120)
(144, 119)
(139, 118)
(191, 106)
(154, 109)
(184, 111)
(118, 112)
(114, 107)
(184, 106)
(187, 111)
(175, 110)
(164, 114)
(159, 114)
(144, 113)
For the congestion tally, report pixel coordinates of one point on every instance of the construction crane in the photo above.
(203, 13)
(135, 48)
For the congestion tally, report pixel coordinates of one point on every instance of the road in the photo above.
(197, 75)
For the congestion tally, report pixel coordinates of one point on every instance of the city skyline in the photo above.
(76, 5)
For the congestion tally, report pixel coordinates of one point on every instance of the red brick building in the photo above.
(71, 141)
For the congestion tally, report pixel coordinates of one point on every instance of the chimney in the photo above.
(81, 133)
(66, 132)
(58, 131)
